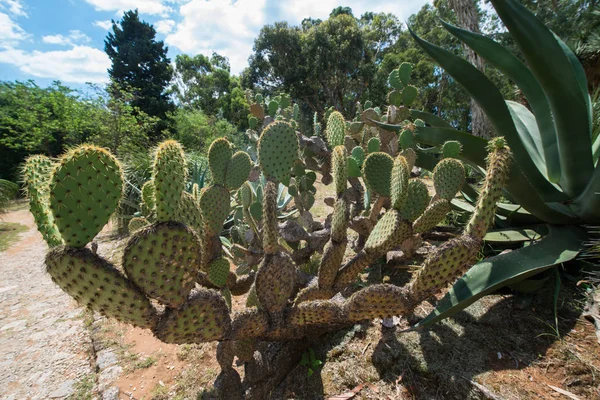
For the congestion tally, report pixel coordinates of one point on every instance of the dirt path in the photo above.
(44, 345)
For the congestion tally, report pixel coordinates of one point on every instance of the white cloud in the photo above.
(75, 37)
(154, 7)
(14, 7)
(10, 32)
(224, 26)
(106, 24)
(78, 65)
(165, 26)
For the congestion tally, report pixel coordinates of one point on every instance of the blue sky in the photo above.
(48, 40)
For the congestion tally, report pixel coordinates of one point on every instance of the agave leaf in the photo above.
(565, 87)
(505, 61)
(491, 101)
(430, 118)
(562, 244)
(512, 235)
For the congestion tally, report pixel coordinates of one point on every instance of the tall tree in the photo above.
(141, 62)
(468, 16)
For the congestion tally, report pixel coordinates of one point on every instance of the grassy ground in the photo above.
(9, 234)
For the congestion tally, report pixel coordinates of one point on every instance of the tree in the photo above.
(141, 63)
(468, 17)
(206, 84)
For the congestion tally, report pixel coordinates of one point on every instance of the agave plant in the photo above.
(554, 177)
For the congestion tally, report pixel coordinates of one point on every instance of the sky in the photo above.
(49, 40)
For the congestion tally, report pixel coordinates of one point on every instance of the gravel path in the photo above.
(44, 345)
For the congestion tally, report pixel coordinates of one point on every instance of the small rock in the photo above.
(63, 391)
(112, 393)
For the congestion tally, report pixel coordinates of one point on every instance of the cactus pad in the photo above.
(448, 178)
(189, 212)
(316, 312)
(411, 158)
(451, 149)
(377, 171)
(204, 317)
(85, 190)
(399, 184)
(137, 223)
(238, 169)
(377, 301)
(406, 139)
(269, 212)
(218, 271)
(394, 80)
(215, 206)
(148, 199)
(95, 283)
(275, 281)
(417, 200)
(339, 221)
(373, 145)
(340, 168)
(169, 175)
(219, 154)
(278, 150)
(433, 215)
(36, 174)
(335, 131)
(404, 72)
(409, 94)
(333, 255)
(249, 323)
(390, 231)
(444, 265)
(395, 98)
(163, 260)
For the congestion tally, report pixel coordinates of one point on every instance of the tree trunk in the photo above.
(466, 13)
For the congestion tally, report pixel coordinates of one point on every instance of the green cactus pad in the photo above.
(349, 272)
(245, 192)
(278, 150)
(308, 200)
(275, 281)
(409, 94)
(354, 170)
(249, 323)
(244, 349)
(448, 178)
(359, 155)
(219, 154)
(189, 212)
(137, 223)
(238, 169)
(340, 169)
(451, 149)
(444, 265)
(95, 283)
(316, 312)
(377, 301)
(163, 260)
(169, 175)
(406, 139)
(314, 292)
(269, 212)
(85, 190)
(333, 255)
(395, 98)
(339, 220)
(402, 113)
(373, 145)
(36, 175)
(404, 72)
(273, 107)
(252, 121)
(417, 200)
(335, 131)
(148, 198)
(204, 317)
(252, 299)
(433, 215)
(419, 123)
(394, 81)
(498, 165)
(399, 188)
(377, 173)
(390, 231)
(215, 207)
(218, 271)
(411, 158)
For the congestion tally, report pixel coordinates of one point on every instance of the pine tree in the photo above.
(140, 62)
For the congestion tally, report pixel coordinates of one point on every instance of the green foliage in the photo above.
(141, 62)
